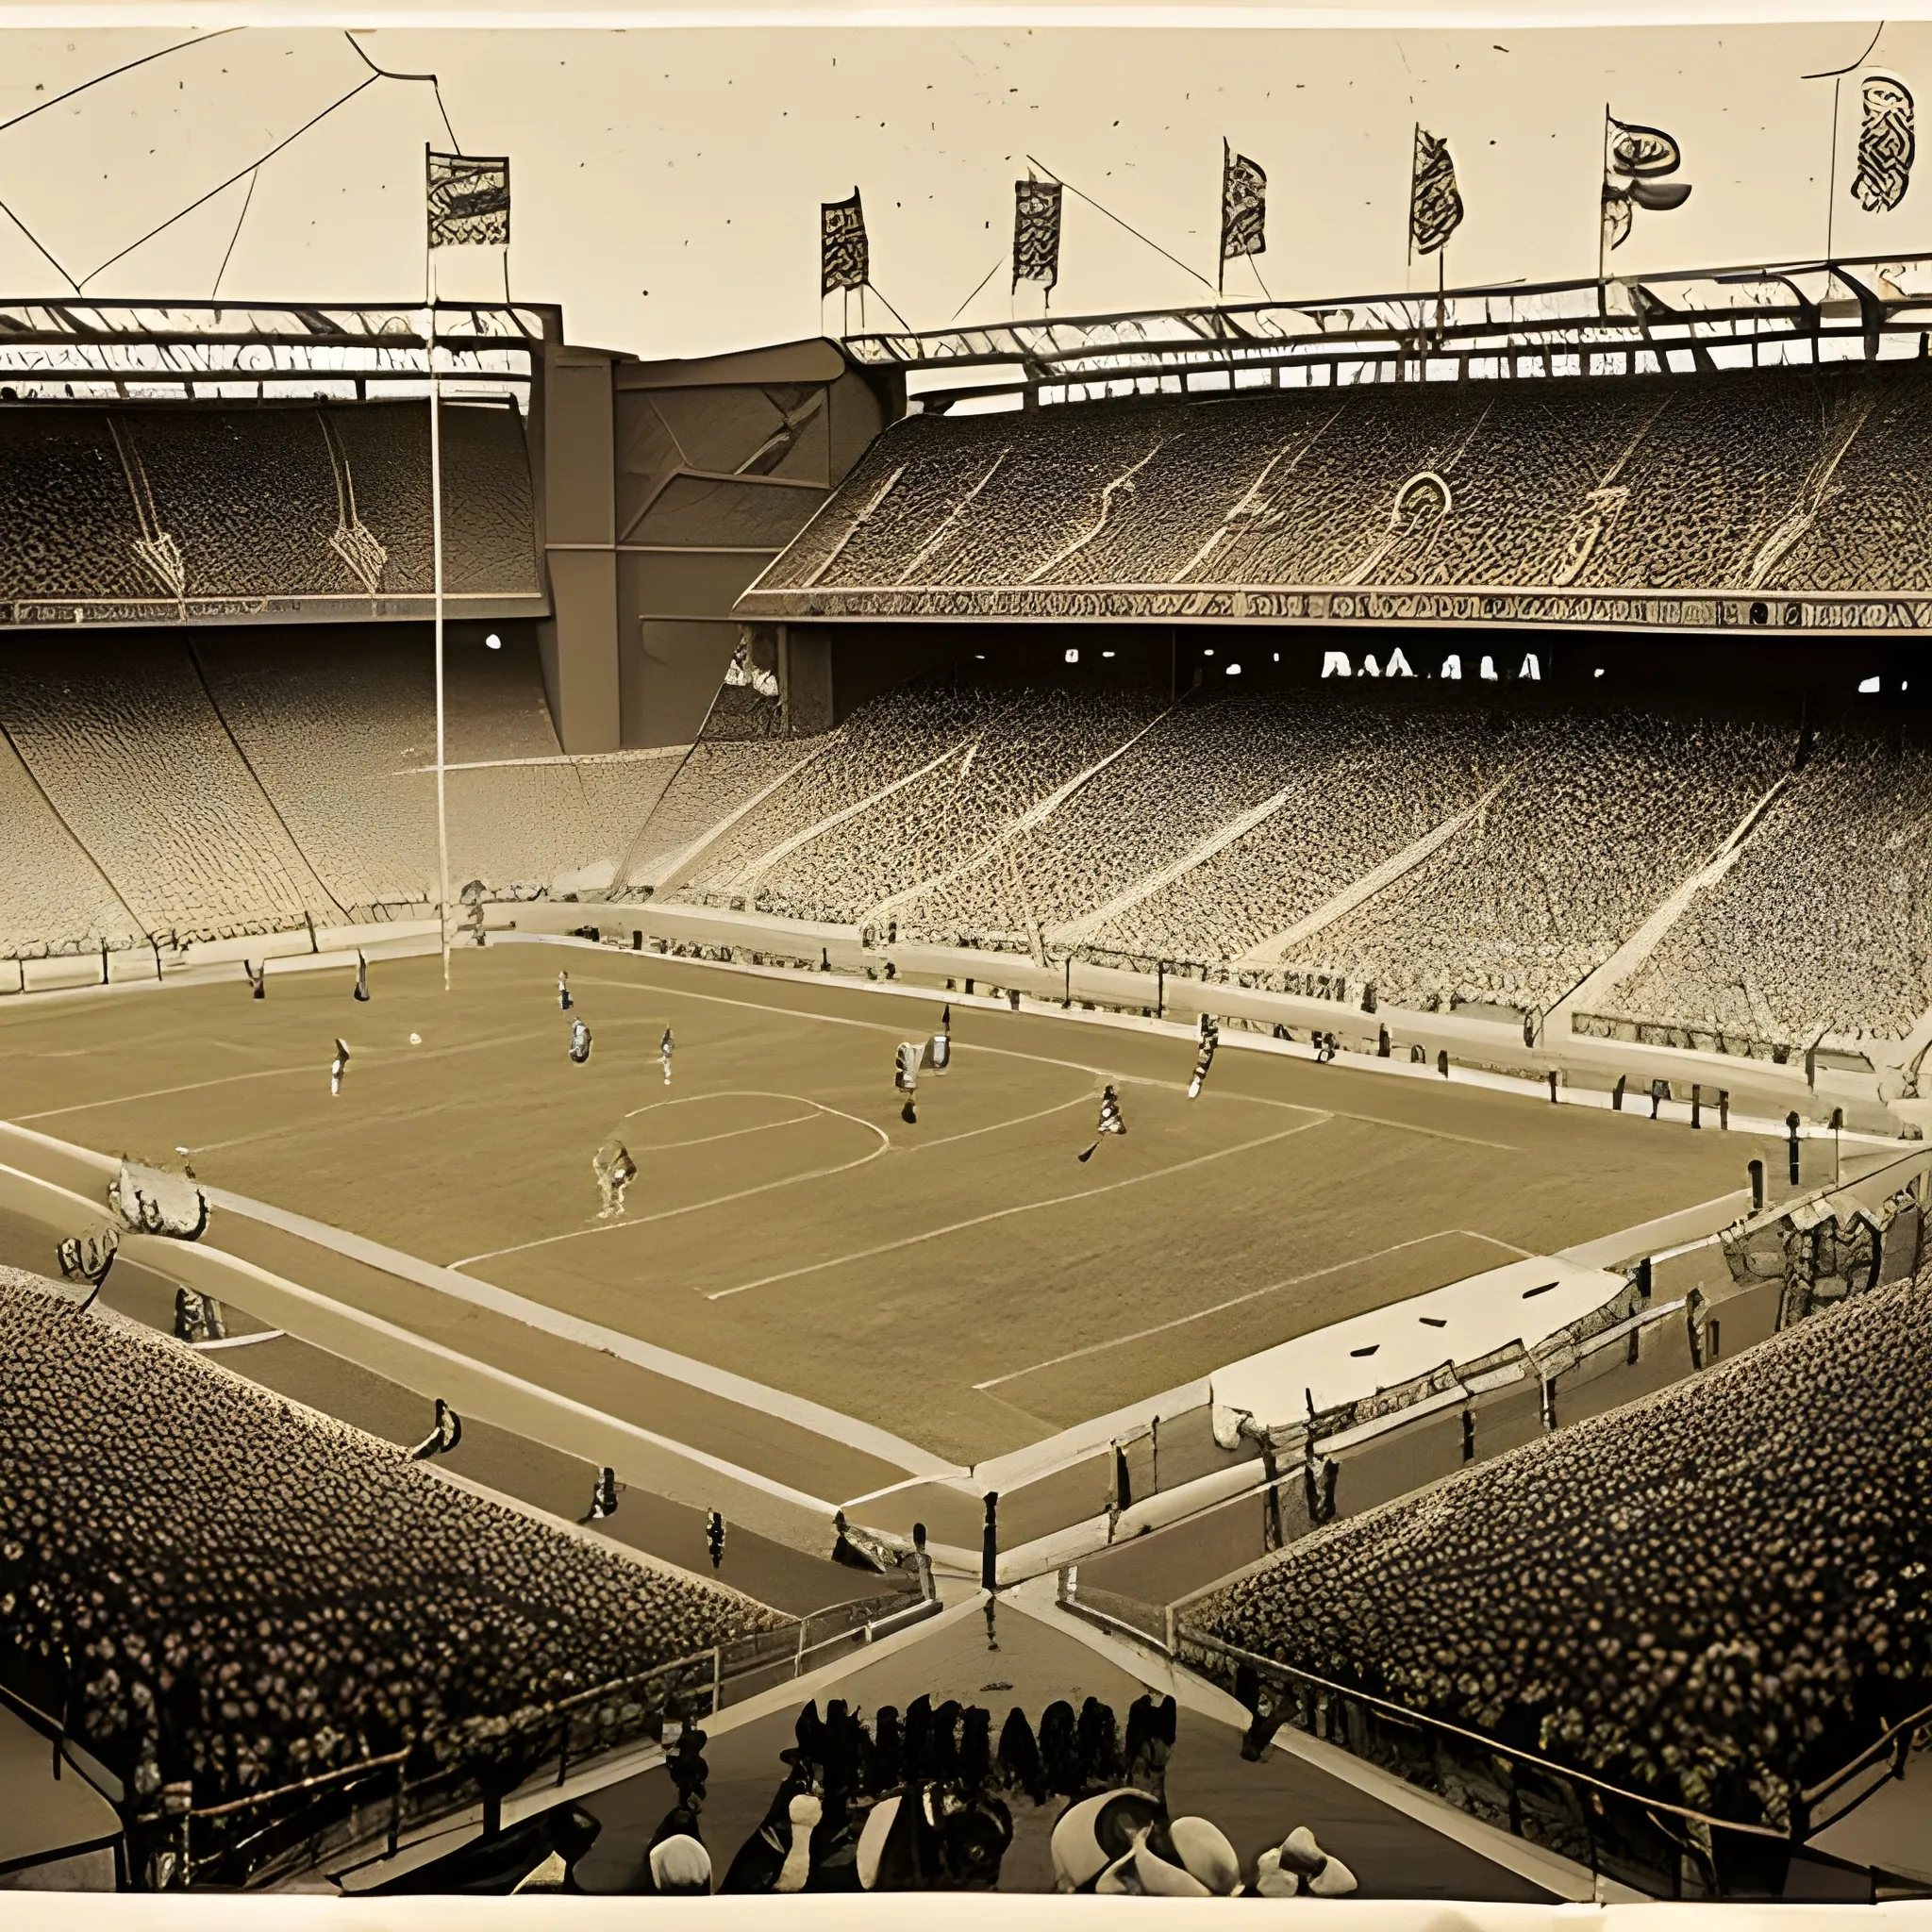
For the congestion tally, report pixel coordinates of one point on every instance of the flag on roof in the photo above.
(844, 255)
(469, 200)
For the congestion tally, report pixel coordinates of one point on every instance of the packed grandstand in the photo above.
(228, 1591)
(1765, 481)
(1714, 1596)
(1449, 843)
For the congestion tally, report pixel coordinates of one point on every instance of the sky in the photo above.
(666, 181)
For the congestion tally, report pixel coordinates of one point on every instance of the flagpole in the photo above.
(1415, 141)
(436, 544)
(1221, 266)
(1603, 172)
(1838, 81)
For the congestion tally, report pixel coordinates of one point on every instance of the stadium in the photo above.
(1178, 1056)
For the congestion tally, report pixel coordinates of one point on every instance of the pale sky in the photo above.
(667, 180)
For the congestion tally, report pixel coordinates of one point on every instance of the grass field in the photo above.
(966, 1282)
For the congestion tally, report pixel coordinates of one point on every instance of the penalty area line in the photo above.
(1254, 1294)
(818, 1174)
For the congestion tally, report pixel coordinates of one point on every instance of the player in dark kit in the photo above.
(1111, 1121)
(1210, 1038)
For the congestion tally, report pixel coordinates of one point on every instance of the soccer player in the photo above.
(338, 1067)
(941, 1046)
(1210, 1038)
(615, 1171)
(1111, 1121)
(664, 1052)
(258, 978)
(361, 975)
(563, 998)
(580, 1041)
(906, 1078)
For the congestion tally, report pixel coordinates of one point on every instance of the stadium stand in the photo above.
(132, 755)
(54, 897)
(251, 502)
(1540, 889)
(208, 785)
(1363, 783)
(214, 784)
(976, 760)
(1714, 1596)
(1774, 479)
(241, 1593)
(1821, 924)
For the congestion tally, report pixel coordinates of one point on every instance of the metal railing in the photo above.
(1635, 1839)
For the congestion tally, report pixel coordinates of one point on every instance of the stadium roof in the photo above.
(1800, 313)
(95, 350)
(1787, 497)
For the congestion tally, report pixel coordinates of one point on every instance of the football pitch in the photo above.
(965, 1282)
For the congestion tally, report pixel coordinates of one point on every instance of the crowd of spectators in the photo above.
(123, 742)
(241, 1593)
(1697, 483)
(251, 499)
(206, 786)
(1603, 813)
(932, 1799)
(199, 789)
(995, 754)
(1363, 782)
(1823, 923)
(716, 777)
(1157, 796)
(53, 897)
(1715, 1596)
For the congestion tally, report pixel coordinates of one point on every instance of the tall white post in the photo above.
(436, 541)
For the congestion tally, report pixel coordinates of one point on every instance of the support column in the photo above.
(579, 644)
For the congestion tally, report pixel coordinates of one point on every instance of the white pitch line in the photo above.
(351, 1122)
(817, 1173)
(1253, 1295)
(381, 1056)
(1043, 1059)
(1024, 1207)
(732, 1134)
(1019, 1120)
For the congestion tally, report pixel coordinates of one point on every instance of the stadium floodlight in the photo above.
(1234, 670)
(492, 643)
(1868, 684)
(1335, 664)
(1452, 666)
(1072, 656)
(1531, 669)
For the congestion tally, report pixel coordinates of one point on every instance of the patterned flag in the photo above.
(1886, 146)
(1036, 232)
(1243, 206)
(1635, 160)
(844, 259)
(469, 201)
(1435, 207)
